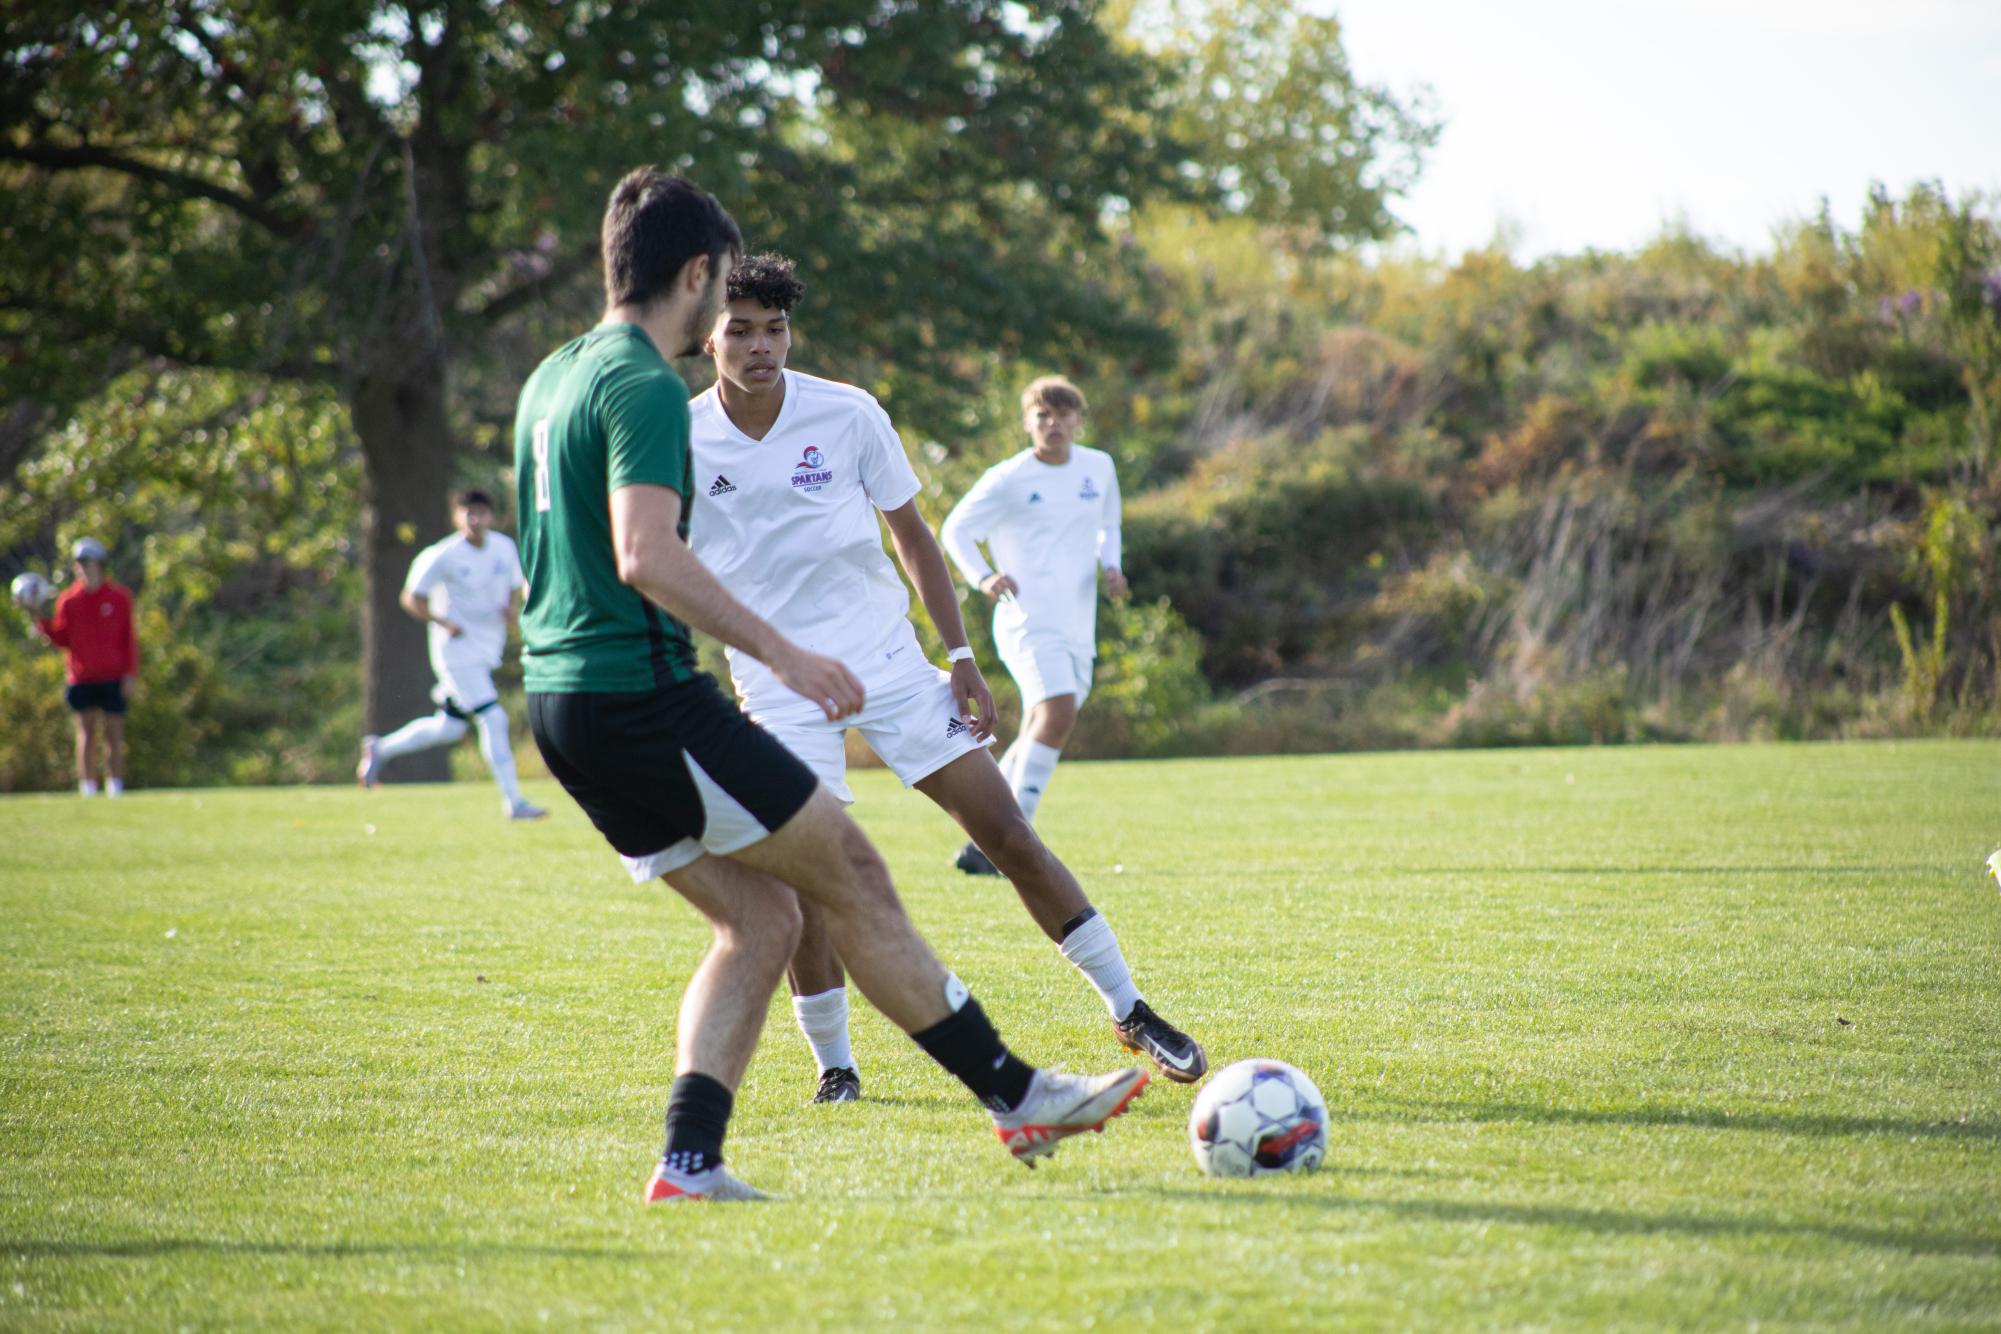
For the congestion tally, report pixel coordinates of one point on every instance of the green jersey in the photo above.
(602, 412)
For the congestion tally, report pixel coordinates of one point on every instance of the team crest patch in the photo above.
(722, 487)
(810, 473)
(1090, 491)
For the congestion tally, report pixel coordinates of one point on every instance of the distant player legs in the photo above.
(114, 750)
(87, 723)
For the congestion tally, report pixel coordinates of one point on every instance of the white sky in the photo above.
(1591, 123)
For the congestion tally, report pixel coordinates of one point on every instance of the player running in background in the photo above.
(674, 776)
(92, 622)
(467, 589)
(793, 470)
(1050, 516)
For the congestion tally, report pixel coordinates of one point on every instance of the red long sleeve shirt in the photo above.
(96, 629)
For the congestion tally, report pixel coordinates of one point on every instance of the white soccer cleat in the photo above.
(1994, 866)
(1059, 1106)
(715, 1186)
(523, 810)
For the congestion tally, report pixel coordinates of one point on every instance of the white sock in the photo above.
(824, 1021)
(1010, 761)
(1095, 951)
(1031, 776)
(440, 729)
(86, 787)
(499, 753)
(114, 787)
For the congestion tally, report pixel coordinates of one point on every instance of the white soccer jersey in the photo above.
(1050, 527)
(788, 524)
(470, 586)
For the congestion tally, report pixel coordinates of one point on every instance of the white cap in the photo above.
(87, 548)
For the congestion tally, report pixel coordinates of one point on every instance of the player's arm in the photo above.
(1109, 542)
(919, 554)
(54, 628)
(652, 559)
(419, 607)
(963, 531)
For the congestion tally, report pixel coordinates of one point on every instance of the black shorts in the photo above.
(669, 774)
(106, 695)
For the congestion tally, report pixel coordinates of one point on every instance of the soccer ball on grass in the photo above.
(31, 590)
(1255, 1118)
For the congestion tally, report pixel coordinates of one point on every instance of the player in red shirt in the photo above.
(93, 623)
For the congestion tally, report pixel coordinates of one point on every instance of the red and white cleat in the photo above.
(715, 1186)
(1059, 1106)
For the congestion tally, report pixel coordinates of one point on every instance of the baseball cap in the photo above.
(87, 548)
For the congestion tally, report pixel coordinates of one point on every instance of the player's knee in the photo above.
(1012, 843)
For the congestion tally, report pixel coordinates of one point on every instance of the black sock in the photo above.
(698, 1112)
(967, 1045)
(1076, 922)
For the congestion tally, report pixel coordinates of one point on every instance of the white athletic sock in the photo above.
(114, 787)
(1031, 776)
(1010, 760)
(86, 787)
(499, 753)
(824, 1021)
(440, 729)
(1095, 951)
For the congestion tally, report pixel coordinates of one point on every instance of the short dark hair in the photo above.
(471, 496)
(767, 279)
(653, 225)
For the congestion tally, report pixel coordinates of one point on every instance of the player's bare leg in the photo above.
(1051, 720)
(114, 753)
(972, 791)
(755, 924)
(1027, 768)
(87, 721)
(754, 921)
(820, 1005)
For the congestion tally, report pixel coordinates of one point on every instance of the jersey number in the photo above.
(541, 448)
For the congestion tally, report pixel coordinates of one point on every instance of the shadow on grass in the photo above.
(149, 1248)
(1915, 868)
(1614, 1221)
(1702, 1118)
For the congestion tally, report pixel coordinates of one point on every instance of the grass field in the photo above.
(1616, 1037)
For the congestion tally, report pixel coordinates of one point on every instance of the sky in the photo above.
(1573, 124)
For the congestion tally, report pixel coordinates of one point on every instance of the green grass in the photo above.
(319, 1058)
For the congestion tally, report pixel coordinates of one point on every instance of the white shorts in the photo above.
(1044, 667)
(911, 724)
(464, 680)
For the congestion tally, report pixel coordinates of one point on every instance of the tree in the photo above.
(356, 194)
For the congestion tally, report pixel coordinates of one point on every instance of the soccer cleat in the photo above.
(1994, 865)
(974, 862)
(1177, 1055)
(369, 772)
(840, 1084)
(522, 810)
(1059, 1106)
(715, 1186)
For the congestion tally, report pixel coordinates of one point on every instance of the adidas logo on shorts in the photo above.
(722, 487)
(953, 727)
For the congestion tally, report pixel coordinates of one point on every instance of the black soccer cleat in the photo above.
(1178, 1056)
(839, 1084)
(974, 862)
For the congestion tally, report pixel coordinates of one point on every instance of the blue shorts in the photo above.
(106, 695)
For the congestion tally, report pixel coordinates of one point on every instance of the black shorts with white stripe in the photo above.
(671, 773)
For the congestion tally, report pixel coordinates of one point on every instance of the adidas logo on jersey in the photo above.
(723, 486)
(1035, 497)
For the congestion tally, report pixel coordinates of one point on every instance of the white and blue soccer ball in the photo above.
(31, 590)
(1258, 1117)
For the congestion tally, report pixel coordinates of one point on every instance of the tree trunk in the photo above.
(406, 445)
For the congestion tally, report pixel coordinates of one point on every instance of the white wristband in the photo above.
(963, 653)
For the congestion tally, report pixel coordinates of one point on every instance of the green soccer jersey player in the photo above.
(678, 781)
